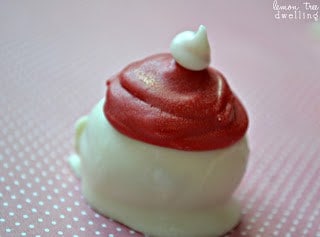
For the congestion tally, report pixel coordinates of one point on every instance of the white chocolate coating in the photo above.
(159, 191)
(191, 49)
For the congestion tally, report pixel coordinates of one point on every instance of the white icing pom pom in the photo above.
(191, 49)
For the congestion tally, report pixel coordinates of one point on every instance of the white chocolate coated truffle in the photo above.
(159, 191)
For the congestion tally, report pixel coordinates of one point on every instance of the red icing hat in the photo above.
(159, 102)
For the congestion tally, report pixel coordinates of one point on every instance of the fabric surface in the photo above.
(56, 56)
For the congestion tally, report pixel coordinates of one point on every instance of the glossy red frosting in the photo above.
(157, 101)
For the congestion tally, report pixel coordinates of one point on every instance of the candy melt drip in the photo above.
(157, 101)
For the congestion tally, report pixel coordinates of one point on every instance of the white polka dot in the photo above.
(83, 213)
(132, 232)
(11, 213)
(69, 209)
(5, 204)
(22, 191)
(243, 233)
(60, 232)
(26, 162)
(96, 215)
(104, 225)
(40, 203)
(40, 220)
(28, 200)
(32, 156)
(75, 235)
(8, 188)
(47, 213)
(16, 182)
(31, 171)
(17, 224)
(118, 229)
(258, 214)
(41, 152)
(8, 230)
(75, 219)
(2, 179)
(25, 216)
(2, 220)
(62, 216)
(31, 226)
(19, 206)
(76, 203)
(82, 228)
(23, 233)
(90, 222)
(46, 230)
(110, 235)
(53, 222)
(69, 226)
(270, 217)
(97, 232)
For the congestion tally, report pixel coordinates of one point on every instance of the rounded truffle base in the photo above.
(169, 223)
(159, 191)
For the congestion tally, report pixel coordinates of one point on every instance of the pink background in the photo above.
(54, 60)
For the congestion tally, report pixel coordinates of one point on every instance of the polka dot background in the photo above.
(55, 58)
